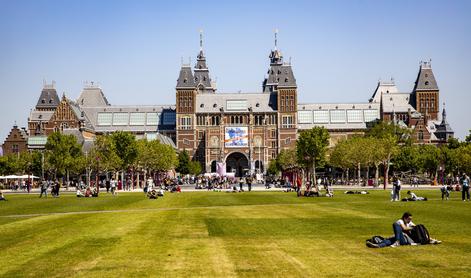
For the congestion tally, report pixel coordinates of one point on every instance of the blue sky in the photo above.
(133, 49)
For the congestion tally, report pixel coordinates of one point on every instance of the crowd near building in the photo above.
(233, 132)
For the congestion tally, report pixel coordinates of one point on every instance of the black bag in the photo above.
(376, 239)
(419, 234)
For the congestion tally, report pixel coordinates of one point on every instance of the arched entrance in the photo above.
(238, 163)
(213, 166)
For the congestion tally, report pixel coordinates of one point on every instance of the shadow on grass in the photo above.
(66, 260)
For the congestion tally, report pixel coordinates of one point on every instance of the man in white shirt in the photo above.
(402, 228)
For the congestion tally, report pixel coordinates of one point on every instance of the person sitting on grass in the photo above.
(88, 192)
(79, 193)
(94, 192)
(2, 198)
(402, 234)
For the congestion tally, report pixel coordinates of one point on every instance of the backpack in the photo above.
(376, 239)
(420, 234)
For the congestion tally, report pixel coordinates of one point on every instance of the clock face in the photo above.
(214, 141)
(257, 141)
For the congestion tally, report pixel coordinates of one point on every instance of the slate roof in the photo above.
(396, 102)
(425, 79)
(259, 102)
(92, 96)
(40, 116)
(185, 78)
(384, 87)
(444, 127)
(48, 98)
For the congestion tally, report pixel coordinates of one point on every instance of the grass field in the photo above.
(217, 234)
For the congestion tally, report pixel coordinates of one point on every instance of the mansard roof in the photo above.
(48, 98)
(425, 79)
(258, 102)
(185, 78)
(92, 95)
(383, 87)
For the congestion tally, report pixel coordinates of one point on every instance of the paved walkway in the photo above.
(257, 187)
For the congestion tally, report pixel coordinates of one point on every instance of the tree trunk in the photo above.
(314, 174)
(367, 174)
(386, 172)
(348, 174)
(359, 174)
(376, 175)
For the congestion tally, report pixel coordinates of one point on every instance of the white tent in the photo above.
(19, 177)
(28, 177)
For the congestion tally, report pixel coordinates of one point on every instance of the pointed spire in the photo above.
(443, 114)
(201, 39)
(276, 39)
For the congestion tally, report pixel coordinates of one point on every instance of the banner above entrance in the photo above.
(236, 137)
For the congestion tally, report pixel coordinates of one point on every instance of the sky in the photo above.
(133, 49)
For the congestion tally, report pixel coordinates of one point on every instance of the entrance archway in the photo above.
(213, 166)
(237, 163)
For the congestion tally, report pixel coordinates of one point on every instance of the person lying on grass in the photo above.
(152, 194)
(404, 234)
(413, 197)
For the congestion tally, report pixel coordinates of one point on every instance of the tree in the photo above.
(311, 148)
(62, 153)
(125, 147)
(429, 159)
(286, 159)
(340, 156)
(194, 168)
(463, 158)
(389, 136)
(183, 163)
(468, 137)
(408, 158)
(273, 167)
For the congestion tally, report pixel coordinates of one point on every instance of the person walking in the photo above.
(241, 184)
(249, 183)
(113, 187)
(44, 187)
(464, 187)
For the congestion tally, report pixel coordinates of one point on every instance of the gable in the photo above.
(64, 113)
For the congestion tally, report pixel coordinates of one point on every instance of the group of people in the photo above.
(88, 192)
(46, 184)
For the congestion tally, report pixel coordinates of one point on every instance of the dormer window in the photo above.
(43, 101)
(286, 79)
(202, 105)
(215, 105)
(184, 80)
(40, 116)
(204, 78)
(257, 105)
(50, 101)
(426, 83)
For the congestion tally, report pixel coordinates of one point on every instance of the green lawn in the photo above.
(217, 234)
